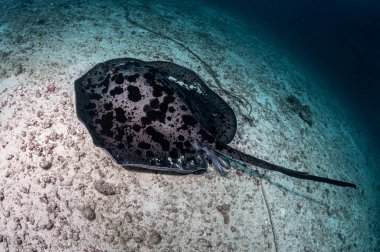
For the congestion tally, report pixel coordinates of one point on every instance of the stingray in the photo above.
(162, 116)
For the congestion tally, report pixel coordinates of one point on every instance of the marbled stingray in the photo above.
(162, 116)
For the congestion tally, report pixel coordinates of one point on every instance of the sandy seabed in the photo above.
(58, 192)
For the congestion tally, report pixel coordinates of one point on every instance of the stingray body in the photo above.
(162, 116)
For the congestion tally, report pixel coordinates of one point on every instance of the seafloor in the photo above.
(58, 192)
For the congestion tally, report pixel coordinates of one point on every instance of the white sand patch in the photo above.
(50, 171)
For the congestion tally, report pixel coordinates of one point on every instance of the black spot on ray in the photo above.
(120, 115)
(106, 123)
(147, 108)
(157, 90)
(108, 106)
(154, 115)
(158, 138)
(134, 93)
(154, 103)
(136, 128)
(189, 120)
(119, 78)
(145, 121)
(132, 78)
(116, 91)
(105, 84)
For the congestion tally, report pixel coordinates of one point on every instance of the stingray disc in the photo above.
(148, 114)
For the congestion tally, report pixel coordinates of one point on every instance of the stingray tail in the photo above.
(228, 151)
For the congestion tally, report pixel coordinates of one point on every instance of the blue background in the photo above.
(341, 39)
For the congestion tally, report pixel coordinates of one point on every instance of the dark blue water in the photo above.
(340, 38)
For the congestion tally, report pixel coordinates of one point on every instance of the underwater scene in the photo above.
(166, 125)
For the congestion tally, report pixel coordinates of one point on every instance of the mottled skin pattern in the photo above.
(158, 115)
(137, 114)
